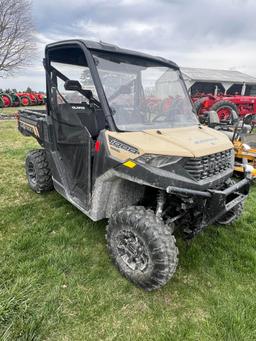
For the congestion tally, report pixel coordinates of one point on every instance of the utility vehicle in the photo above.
(112, 156)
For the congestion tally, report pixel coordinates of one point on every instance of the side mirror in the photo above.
(248, 119)
(72, 85)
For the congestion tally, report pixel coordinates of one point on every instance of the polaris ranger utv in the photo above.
(110, 147)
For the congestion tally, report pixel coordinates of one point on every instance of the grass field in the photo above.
(57, 282)
(13, 110)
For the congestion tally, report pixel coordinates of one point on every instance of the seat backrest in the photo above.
(213, 118)
(92, 119)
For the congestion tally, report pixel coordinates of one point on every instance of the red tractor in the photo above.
(224, 104)
(21, 99)
(28, 98)
(221, 91)
(40, 97)
(5, 100)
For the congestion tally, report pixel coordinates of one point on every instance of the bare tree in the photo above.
(16, 35)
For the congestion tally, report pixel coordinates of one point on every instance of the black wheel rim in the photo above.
(31, 173)
(132, 250)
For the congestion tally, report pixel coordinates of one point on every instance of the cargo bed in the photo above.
(33, 123)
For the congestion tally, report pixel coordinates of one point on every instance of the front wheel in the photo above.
(25, 101)
(142, 247)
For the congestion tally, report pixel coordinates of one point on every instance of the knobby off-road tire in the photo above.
(142, 247)
(232, 215)
(38, 171)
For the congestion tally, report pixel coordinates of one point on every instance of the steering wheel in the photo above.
(174, 109)
(176, 106)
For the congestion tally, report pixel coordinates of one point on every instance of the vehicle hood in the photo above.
(192, 141)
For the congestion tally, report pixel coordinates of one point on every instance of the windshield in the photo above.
(143, 94)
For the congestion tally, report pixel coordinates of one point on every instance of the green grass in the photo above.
(14, 110)
(57, 282)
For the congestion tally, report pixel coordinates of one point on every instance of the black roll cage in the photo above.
(86, 47)
(94, 74)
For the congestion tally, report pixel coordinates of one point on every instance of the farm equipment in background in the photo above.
(221, 91)
(16, 102)
(245, 146)
(224, 104)
(241, 135)
(6, 100)
(21, 99)
(40, 98)
(27, 99)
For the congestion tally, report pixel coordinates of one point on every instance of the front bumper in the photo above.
(217, 202)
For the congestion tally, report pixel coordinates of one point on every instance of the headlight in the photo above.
(157, 160)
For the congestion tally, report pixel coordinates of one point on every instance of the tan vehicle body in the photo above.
(184, 142)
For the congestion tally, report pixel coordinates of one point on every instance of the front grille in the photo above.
(207, 166)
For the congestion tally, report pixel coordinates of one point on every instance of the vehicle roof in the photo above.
(106, 47)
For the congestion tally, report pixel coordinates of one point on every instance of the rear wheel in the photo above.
(7, 99)
(224, 110)
(38, 171)
(25, 101)
(142, 247)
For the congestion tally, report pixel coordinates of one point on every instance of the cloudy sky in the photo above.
(198, 33)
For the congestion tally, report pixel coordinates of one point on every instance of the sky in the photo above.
(194, 33)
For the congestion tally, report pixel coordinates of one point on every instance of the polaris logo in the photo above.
(77, 107)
